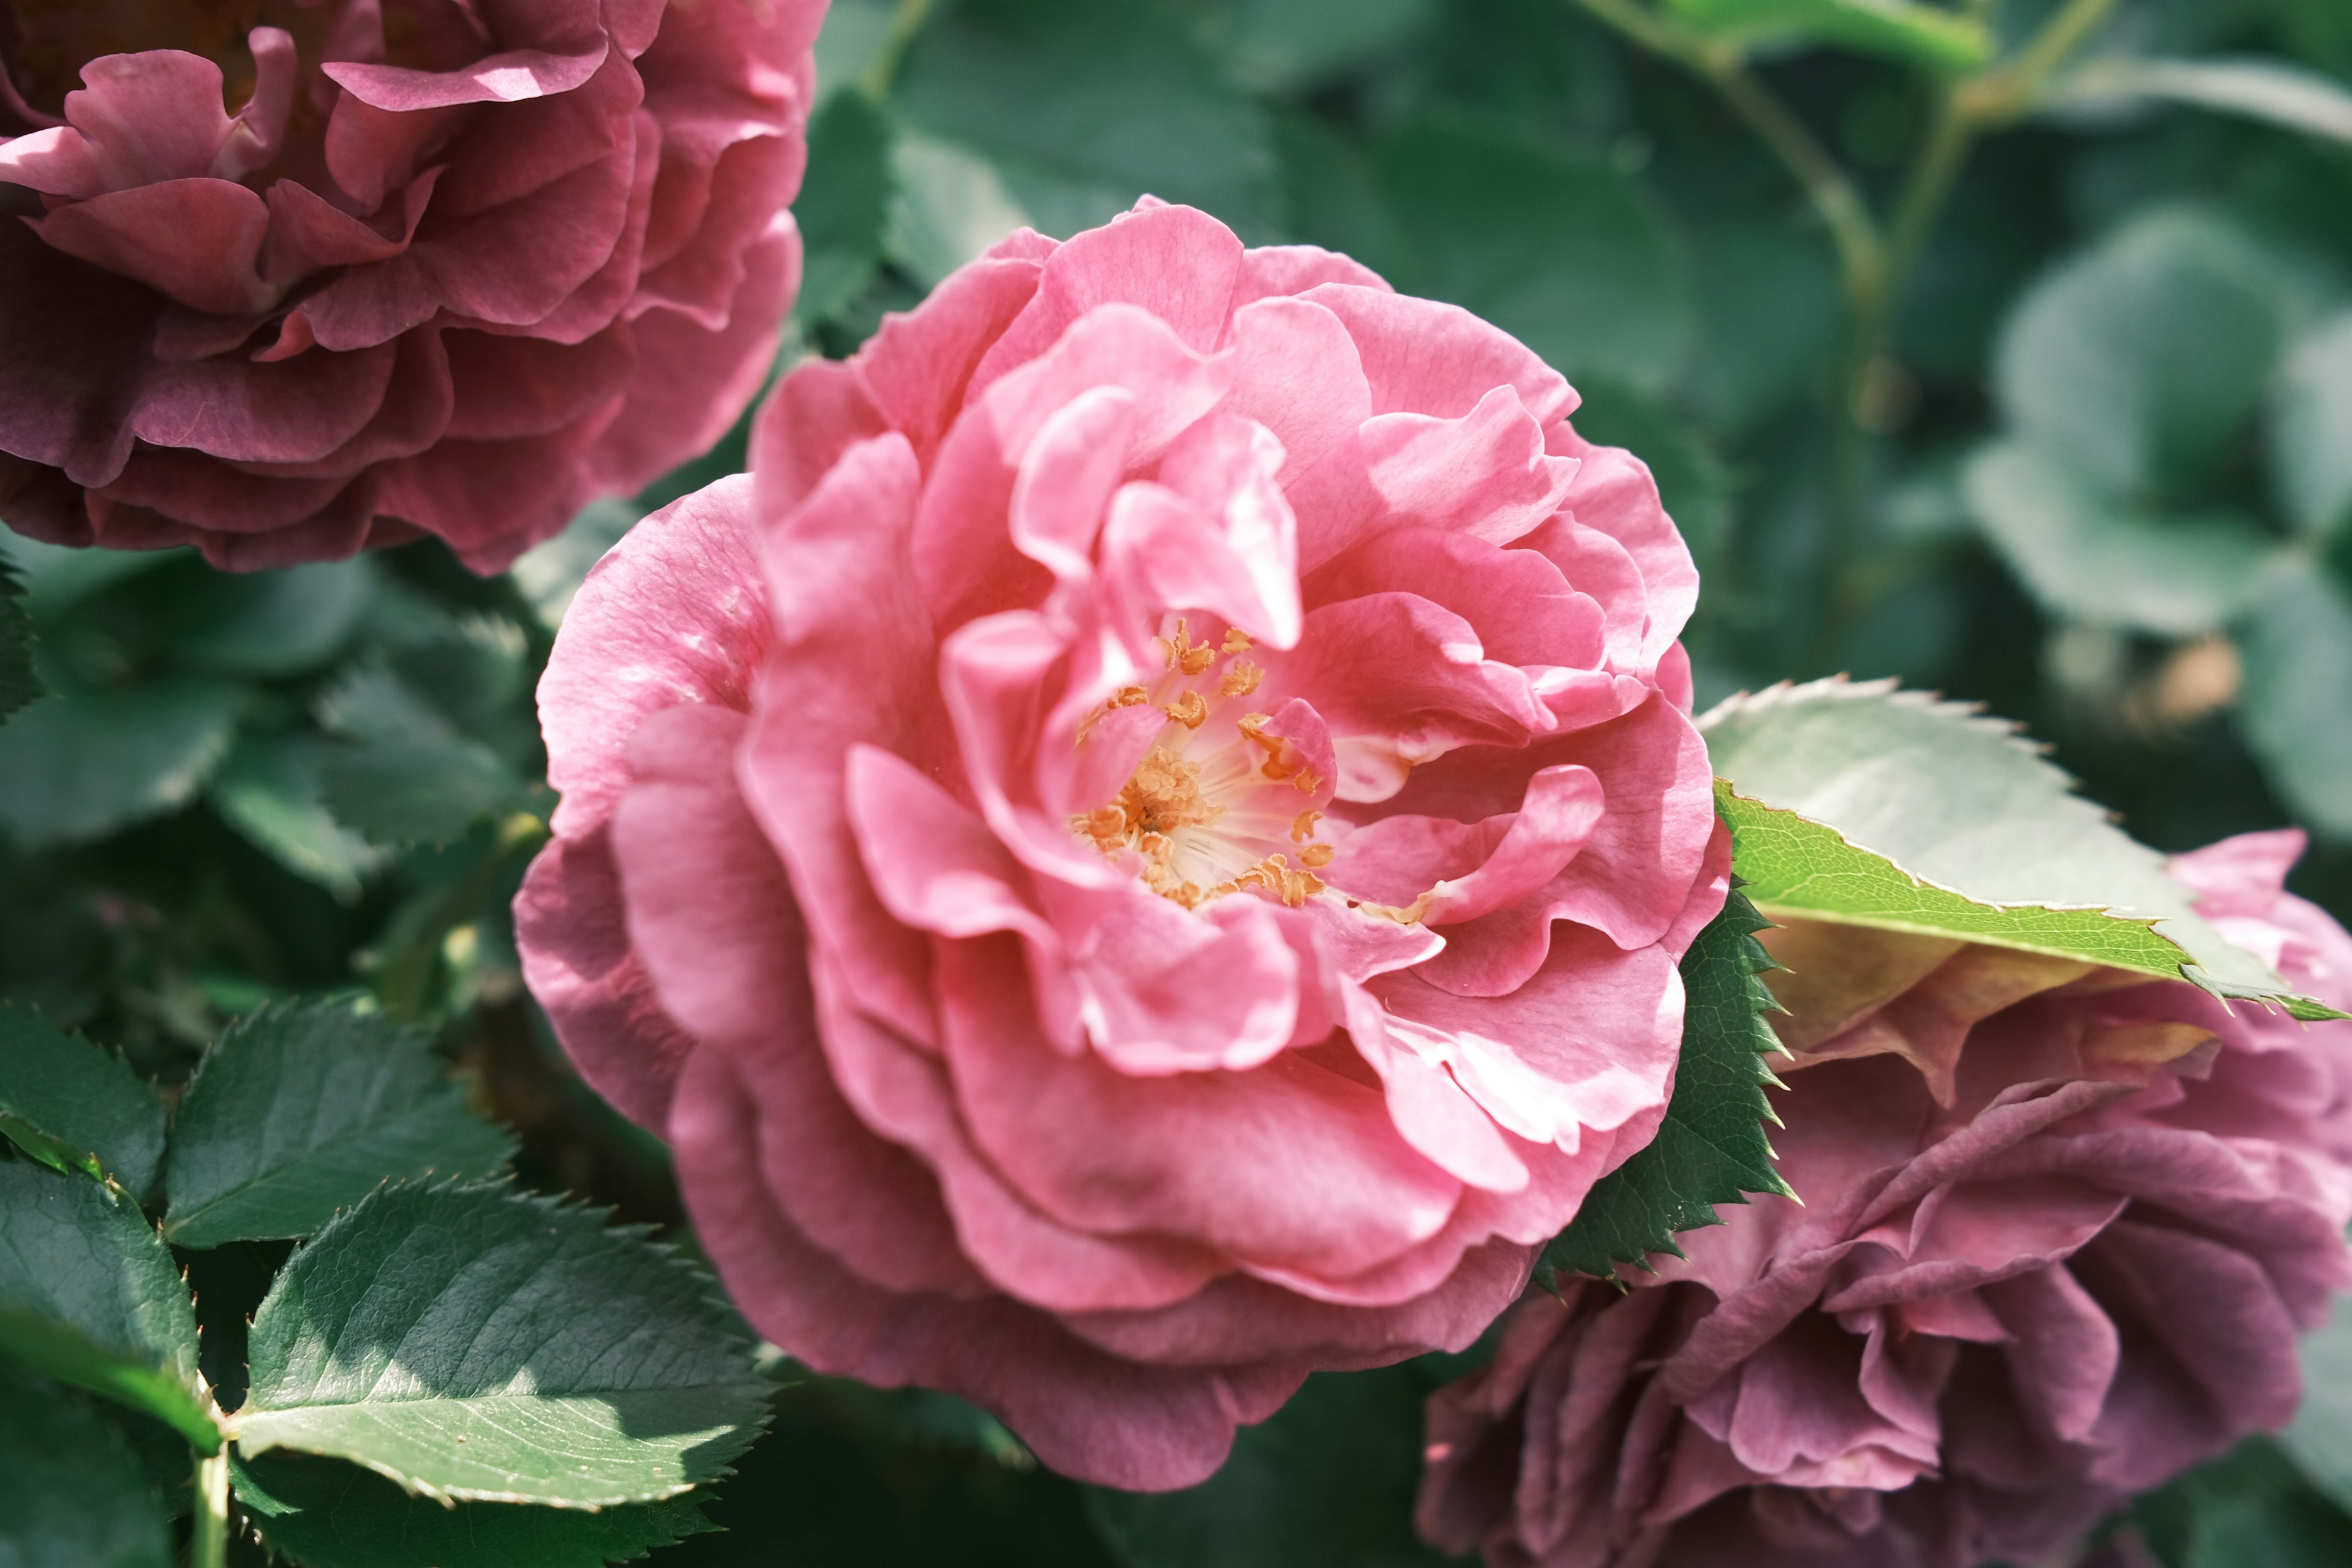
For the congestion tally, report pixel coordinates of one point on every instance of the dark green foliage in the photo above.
(301, 1110)
(76, 1106)
(323, 1513)
(18, 683)
(844, 203)
(72, 1494)
(1712, 1148)
(1330, 1480)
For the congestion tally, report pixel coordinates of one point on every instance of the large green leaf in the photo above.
(481, 1344)
(2298, 689)
(1081, 105)
(2274, 91)
(409, 774)
(2252, 1507)
(2140, 361)
(93, 759)
(2311, 430)
(1862, 803)
(2092, 559)
(324, 1514)
(1712, 1148)
(269, 791)
(18, 683)
(1284, 46)
(76, 1106)
(304, 1109)
(1329, 1479)
(1567, 254)
(72, 1494)
(1899, 29)
(2320, 1441)
(88, 1294)
(844, 203)
(267, 625)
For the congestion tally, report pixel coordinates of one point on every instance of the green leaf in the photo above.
(266, 624)
(2093, 558)
(2252, 1506)
(75, 1106)
(409, 775)
(72, 1494)
(1858, 803)
(94, 759)
(480, 1343)
(1567, 254)
(2272, 91)
(1287, 45)
(1081, 107)
(947, 206)
(2298, 688)
(324, 1514)
(1329, 1479)
(88, 1294)
(2320, 1441)
(551, 572)
(1712, 1148)
(2141, 360)
(844, 203)
(2311, 430)
(18, 683)
(304, 1109)
(269, 791)
(1896, 30)
(1691, 478)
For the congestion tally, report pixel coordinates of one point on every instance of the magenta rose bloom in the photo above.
(2062, 1265)
(374, 270)
(1143, 852)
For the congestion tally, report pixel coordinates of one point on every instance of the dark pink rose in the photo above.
(380, 269)
(1143, 852)
(2058, 1255)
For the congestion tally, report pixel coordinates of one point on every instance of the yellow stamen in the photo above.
(1236, 641)
(1303, 828)
(1241, 680)
(1314, 856)
(1189, 710)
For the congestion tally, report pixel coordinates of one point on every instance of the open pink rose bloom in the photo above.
(289, 278)
(1143, 851)
(2062, 1229)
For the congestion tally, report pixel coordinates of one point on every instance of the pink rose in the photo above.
(1143, 852)
(2075, 1271)
(452, 266)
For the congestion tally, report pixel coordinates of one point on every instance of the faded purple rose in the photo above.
(2063, 1229)
(284, 280)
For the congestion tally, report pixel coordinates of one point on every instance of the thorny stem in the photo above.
(1874, 263)
(208, 1537)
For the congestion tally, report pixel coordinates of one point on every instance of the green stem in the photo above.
(2007, 90)
(905, 21)
(208, 1535)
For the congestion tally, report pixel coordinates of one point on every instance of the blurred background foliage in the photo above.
(2002, 345)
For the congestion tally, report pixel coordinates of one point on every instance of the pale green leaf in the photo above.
(267, 625)
(2298, 691)
(269, 791)
(76, 1106)
(1712, 1148)
(1909, 30)
(90, 1296)
(2140, 361)
(481, 1344)
(304, 1109)
(1286, 46)
(2311, 430)
(947, 206)
(72, 1494)
(2092, 559)
(2274, 91)
(1567, 254)
(2320, 1441)
(1879, 808)
(324, 1514)
(90, 759)
(1082, 107)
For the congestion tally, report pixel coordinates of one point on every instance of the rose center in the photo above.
(1214, 807)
